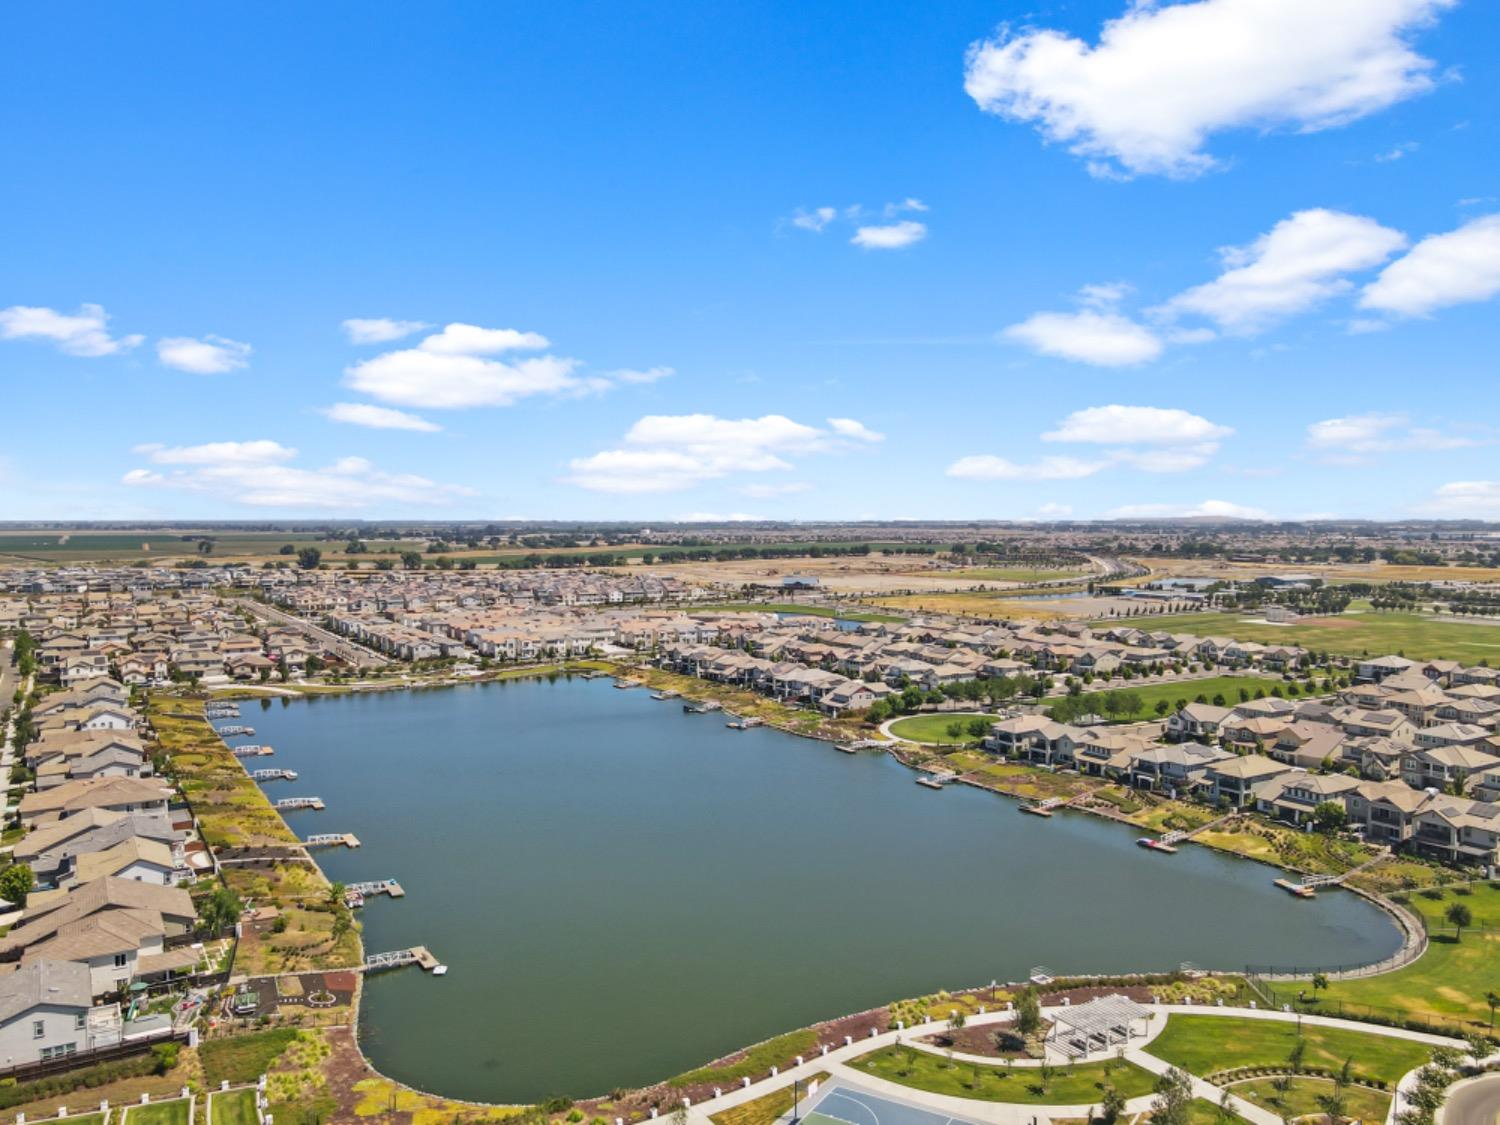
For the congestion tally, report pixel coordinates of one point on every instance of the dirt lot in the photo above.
(874, 574)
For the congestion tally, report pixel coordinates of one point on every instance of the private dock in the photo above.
(332, 840)
(418, 955)
(703, 708)
(251, 751)
(1301, 890)
(356, 893)
(667, 694)
(234, 731)
(287, 804)
(273, 775)
(936, 780)
(1151, 843)
(744, 724)
(1042, 808)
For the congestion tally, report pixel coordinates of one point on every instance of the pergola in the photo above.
(1096, 1026)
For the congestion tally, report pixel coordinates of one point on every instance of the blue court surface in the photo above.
(837, 1104)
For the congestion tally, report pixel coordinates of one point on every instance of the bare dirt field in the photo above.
(873, 574)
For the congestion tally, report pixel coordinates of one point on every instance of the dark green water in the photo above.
(622, 892)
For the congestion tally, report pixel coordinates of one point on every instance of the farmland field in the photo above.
(1352, 634)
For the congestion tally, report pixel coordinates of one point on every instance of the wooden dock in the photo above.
(377, 887)
(418, 955)
(332, 840)
(288, 804)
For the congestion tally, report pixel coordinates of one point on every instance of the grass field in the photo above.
(1351, 634)
(1301, 1098)
(1204, 1045)
(159, 1113)
(234, 1108)
(1013, 573)
(1229, 687)
(793, 607)
(243, 1058)
(1070, 1085)
(764, 1110)
(933, 729)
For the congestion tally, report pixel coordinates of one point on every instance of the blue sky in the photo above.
(812, 260)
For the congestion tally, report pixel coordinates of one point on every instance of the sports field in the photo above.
(1367, 633)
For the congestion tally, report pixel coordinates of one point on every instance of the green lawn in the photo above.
(1351, 634)
(1483, 901)
(792, 607)
(933, 729)
(1229, 687)
(1301, 1098)
(1206, 1044)
(159, 1113)
(1070, 1085)
(234, 1108)
(243, 1058)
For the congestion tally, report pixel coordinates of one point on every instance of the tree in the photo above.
(1330, 816)
(1493, 1000)
(16, 882)
(1174, 1098)
(1111, 1105)
(309, 558)
(1333, 1103)
(1459, 915)
(411, 560)
(1028, 1012)
(957, 1020)
(220, 910)
(1319, 982)
(1295, 1056)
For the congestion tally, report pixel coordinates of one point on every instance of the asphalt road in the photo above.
(1474, 1104)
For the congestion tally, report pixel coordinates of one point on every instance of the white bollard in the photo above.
(686, 1102)
(619, 1121)
(224, 1084)
(1067, 1002)
(1286, 1007)
(848, 1040)
(873, 1033)
(1252, 1004)
(799, 1060)
(104, 1108)
(653, 1113)
(718, 1092)
(20, 1119)
(62, 1111)
(981, 1009)
(823, 1049)
(744, 1083)
(1221, 1001)
(184, 1091)
(1010, 1006)
(773, 1072)
(145, 1099)
(900, 1025)
(1188, 1000)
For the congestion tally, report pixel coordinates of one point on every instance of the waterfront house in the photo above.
(1441, 767)
(1295, 796)
(1457, 830)
(1232, 781)
(47, 1012)
(1178, 769)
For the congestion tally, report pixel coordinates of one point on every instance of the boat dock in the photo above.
(377, 887)
(332, 840)
(287, 804)
(251, 751)
(666, 694)
(418, 955)
(274, 775)
(936, 780)
(234, 731)
(703, 708)
(745, 724)
(1042, 808)
(1301, 890)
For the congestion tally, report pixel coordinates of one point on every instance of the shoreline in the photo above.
(1411, 929)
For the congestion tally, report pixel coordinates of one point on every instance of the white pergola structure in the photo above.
(1099, 1025)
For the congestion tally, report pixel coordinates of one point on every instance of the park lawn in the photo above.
(174, 1112)
(1205, 1045)
(1447, 983)
(933, 729)
(237, 1107)
(766, 1109)
(1070, 1085)
(1301, 1098)
(1229, 687)
(1483, 901)
(1418, 636)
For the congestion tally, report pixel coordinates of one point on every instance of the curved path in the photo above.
(835, 1063)
(1475, 1102)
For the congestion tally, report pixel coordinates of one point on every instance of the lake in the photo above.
(622, 892)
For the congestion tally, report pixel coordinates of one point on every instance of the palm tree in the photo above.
(1493, 1000)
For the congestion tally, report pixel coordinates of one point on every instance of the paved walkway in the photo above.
(835, 1064)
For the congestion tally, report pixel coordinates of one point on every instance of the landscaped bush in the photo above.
(757, 1060)
(20, 1093)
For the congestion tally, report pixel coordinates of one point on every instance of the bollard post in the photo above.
(145, 1099)
(848, 1040)
(799, 1060)
(774, 1072)
(900, 1025)
(224, 1084)
(718, 1092)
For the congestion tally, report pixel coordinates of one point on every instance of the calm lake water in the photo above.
(622, 892)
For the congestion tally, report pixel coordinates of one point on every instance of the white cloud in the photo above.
(258, 474)
(470, 339)
(421, 378)
(84, 333)
(1104, 339)
(1360, 435)
(1221, 509)
(380, 330)
(989, 467)
(891, 210)
(666, 452)
(1163, 78)
(1455, 268)
(377, 417)
(891, 236)
(1465, 500)
(814, 220)
(212, 355)
(1298, 264)
(849, 428)
(1391, 155)
(639, 377)
(1136, 425)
